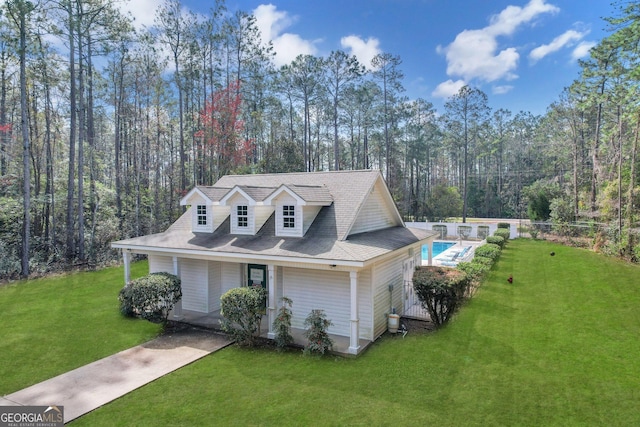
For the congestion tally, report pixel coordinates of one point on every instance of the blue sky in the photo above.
(521, 53)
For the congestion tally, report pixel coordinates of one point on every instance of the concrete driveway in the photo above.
(91, 386)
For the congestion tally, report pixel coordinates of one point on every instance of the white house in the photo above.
(327, 240)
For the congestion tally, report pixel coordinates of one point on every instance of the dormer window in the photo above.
(201, 214)
(242, 216)
(288, 216)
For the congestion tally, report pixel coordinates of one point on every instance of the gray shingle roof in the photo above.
(326, 239)
(348, 189)
(317, 244)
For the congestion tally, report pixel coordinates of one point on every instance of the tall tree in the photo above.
(469, 108)
(387, 73)
(340, 70)
(20, 11)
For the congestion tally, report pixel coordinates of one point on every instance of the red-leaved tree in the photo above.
(224, 149)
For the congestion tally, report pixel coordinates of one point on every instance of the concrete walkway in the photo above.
(91, 386)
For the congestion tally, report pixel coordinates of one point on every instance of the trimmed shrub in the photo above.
(489, 250)
(442, 229)
(504, 225)
(504, 233)
(282, 325)
(318, 338)
(488, 262)
(242, 310)
(483, 231)
(150, 297)
(475, 271)
(496, 240)
(464, 231)
(440, 290)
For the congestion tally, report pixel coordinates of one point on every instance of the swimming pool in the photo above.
(438, 248)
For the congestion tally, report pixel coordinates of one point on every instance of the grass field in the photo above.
(52, 325)
(559, 347)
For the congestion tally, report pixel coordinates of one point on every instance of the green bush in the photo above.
(282, 325)
(464, 231)
(496, 240)
(475, 271)
(150, 297)
(504, 233)
(242, 310)
(504, 225)
(483, 231)
(440, 291)
(318, 340)
(488, 262)
(489, 250)
(442, 229)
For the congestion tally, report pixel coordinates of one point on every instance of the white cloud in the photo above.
(568, 38)
(508, 21)
(582, 50)
(142, 11)
(364, 50)
(474, 53)
(501, 89)
(272, 23)
(448, 89)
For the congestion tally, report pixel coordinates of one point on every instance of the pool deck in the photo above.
(446, 258)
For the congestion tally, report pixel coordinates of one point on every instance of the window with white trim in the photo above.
(201, 215)
(288, 216)
(242, 215)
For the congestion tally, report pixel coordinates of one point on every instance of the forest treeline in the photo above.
(103, 128)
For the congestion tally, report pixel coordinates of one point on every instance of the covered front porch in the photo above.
(211, 320)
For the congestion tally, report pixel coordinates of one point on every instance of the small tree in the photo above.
(150, 297)
(242, 310)
(440, 291)
(318, 338)
(282, 325)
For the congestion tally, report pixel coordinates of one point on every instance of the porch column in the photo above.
(126, 257)
(430, 257)
(177, 309)
(271, 304)
(354, 343)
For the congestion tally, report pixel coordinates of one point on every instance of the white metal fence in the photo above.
(412, 307)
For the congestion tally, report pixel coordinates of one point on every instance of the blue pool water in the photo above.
(438, 248)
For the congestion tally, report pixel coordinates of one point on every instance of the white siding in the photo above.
(278, 285)
(220, 213)
(309, 214)
(235, 201)
(388, 272)
(215, 285)
(375, 214)
(160, 264)
(194, 276)
(231, 277)
(365, 300)
(194, 201)
(282, 200)
(262, 214)
(326, 290)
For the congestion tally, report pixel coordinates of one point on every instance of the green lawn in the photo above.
(557, 347)
(50, 326)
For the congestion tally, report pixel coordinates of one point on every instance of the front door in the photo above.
(257, 275)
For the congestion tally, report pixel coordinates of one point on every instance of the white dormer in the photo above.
(296, 207)
(248, 214)
(206, 212)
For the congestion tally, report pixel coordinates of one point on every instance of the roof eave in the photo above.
(237, 255)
